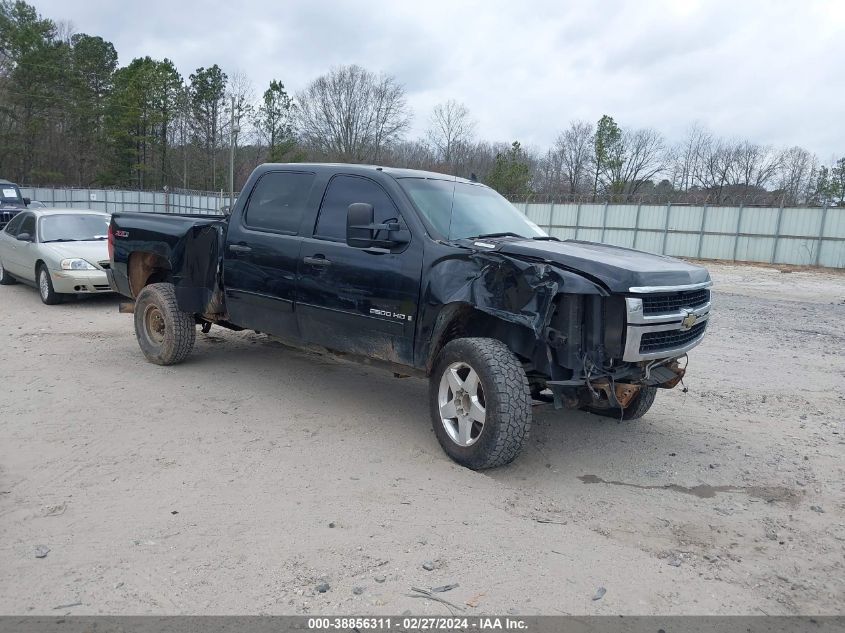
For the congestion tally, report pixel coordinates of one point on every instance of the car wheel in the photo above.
(637, 408)
(165, 334)
(5, 278)
(45, 287)
(480, 402)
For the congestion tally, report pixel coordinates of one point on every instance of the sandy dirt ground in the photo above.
(239, 481)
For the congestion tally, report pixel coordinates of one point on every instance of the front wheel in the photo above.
(637, 408)
(45, 287)
(165, 334)
(480, 403)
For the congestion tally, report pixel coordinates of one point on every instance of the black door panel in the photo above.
(352, 300)
(261, 284)
(362, 303)
(262, 253)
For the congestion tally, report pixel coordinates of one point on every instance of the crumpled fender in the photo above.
(514, 290)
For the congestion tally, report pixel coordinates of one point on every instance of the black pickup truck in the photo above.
(431, 275)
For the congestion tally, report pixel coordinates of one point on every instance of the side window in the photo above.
(346, 190)
(278, 201)
(14, 225)
(28, 225)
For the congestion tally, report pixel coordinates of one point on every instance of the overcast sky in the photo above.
(770, 71)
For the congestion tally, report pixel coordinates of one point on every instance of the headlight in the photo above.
(76, 264)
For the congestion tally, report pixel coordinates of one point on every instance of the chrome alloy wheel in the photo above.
(461, 402)
(44, 284)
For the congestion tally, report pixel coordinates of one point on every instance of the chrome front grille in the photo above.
(665, 324)
(672, 302)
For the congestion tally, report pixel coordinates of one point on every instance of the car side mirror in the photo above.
(26, 201)
(24, 237)
(362, 232)
(359, 222)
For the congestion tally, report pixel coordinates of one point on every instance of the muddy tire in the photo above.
(5, 278)
(480, 403)
(165, 334)
(45, 287)
(636, 409)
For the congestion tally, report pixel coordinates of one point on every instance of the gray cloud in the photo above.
(768, 70)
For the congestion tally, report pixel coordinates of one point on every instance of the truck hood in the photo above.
(618, 269)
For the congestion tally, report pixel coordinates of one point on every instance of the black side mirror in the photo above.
(24, 237)
(359, 223)
(26, 201)
(362, 232)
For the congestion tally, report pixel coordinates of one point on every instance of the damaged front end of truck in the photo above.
(583, 342)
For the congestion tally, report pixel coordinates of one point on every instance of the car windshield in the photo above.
(10, 194)
(69, 227)
(459, 210)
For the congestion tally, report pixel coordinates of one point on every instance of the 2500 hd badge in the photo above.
(390, 314)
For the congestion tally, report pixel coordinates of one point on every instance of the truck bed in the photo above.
(184, 249)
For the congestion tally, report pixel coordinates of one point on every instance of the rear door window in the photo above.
(14, 226)
(278, 202)
(346, 190)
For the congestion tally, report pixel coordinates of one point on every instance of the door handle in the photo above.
(317, 260)
(239, 248)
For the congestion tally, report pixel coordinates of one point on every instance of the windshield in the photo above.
(10, 194)
(74, 228)
(458, 210)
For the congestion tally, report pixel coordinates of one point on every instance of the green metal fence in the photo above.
(784, 235)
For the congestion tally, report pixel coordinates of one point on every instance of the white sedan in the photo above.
(62, 252)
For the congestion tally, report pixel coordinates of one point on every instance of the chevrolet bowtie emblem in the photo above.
(689, 320)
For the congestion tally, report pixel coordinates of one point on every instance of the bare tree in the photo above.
(473, 159)
(451, 128)
(737, 171)
(635, 159)
(240, 106)
(687, 158)
(574, 147)
(415, 154)
(547, 178)
(352, 114)
(754, 166)
(241, 91)
(796, 176)
(718, 158)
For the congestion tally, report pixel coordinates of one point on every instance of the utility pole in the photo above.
(232, 133)
(184, 156)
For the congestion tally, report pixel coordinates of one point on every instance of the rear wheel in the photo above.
(165, 334)
(45, 287)
(637, 408)
(5, 278)
(480, 403)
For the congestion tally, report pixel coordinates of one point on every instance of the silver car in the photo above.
(60, 251)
